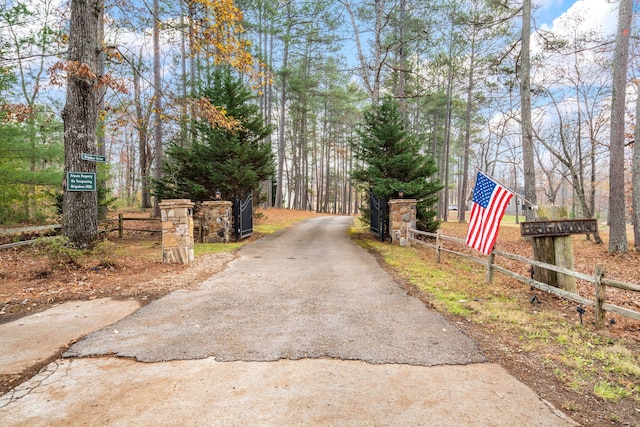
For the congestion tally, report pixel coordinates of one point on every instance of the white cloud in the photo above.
(598, 15)
(587, 24)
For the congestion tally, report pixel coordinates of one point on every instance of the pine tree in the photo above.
(31, 156)
(232, 161)
(393, 160)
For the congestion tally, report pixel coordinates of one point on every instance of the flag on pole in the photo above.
(490, 200)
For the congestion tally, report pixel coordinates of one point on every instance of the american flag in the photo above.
(490, 200)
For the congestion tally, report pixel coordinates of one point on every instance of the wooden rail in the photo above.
(30, 229)
(122, 219)
(600, 282)
(35, 229)
(120, 229)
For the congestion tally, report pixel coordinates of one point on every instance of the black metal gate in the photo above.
(243, 216)
(378, 216)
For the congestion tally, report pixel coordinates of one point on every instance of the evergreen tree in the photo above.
(31, 156)
(232, 161)
(393, 160)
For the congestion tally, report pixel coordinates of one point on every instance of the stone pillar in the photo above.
(217, 221)
(177, 231)
(402, 217)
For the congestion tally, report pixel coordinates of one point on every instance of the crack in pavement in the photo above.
(30, 386)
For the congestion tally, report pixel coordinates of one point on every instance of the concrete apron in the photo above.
(111, 391)
(32, 340)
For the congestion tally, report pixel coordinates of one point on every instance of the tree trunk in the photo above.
(462, 197)
(142, 123)
(617, 221)
(157, 81)
(283, 99)
(102, 183)
(444, 171)
(184, 119)
(192, 66)
(377, 50)
(80, 208)
(401, 60)
(371, 74)
(525, 108)
(636, 176)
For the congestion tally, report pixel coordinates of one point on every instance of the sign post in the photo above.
(551, 242)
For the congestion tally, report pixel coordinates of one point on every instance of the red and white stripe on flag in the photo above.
(490, 201)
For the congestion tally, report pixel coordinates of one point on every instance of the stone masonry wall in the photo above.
(177, 231)
(402, 217)
(217, 221)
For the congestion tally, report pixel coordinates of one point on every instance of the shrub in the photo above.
(59, 249)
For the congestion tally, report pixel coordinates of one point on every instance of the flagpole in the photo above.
(534, 206)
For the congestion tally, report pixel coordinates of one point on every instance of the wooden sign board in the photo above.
(563, 227)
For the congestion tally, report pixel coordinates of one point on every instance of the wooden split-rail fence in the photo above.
(106, 227)
(599, 303)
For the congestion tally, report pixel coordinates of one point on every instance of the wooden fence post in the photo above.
(438, 246)
(601, 297)
(120, 226)
(488, 278)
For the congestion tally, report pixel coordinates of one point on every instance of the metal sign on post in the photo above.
(81, 181)
(93, 158)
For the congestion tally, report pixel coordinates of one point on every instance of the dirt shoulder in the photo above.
(31, 283)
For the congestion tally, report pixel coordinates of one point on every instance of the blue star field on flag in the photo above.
(483, 191)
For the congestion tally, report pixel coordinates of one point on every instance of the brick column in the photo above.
(402, 216)
(177, 231)
(217, 221)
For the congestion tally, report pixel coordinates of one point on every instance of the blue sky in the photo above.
(550, 9)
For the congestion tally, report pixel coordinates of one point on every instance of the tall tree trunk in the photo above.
(142, 129)
(193, 65)
(269, 104)
(525, 111)
(617, 221)
(80, 208)
(401, 60)
(128, 164)
(462, 197)
(184, 119)
(636, 176)
(377, 50)
(102, 183)
(371, 74)
(283, 100)
(444, 170)
(157, 82)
